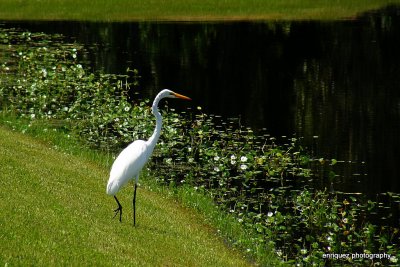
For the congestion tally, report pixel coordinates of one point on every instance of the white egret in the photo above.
(131, 160)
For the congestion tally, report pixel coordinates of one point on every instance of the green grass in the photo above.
(185, 10)
(54, 211)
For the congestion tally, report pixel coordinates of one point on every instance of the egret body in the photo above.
(132, 159)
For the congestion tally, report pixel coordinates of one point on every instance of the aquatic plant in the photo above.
(261, 180)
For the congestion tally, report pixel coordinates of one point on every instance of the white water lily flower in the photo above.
(44, 72)
(233, 159)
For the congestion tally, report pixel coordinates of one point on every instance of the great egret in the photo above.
(131, 160)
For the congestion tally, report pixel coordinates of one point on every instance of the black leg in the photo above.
(134, 206)
(118, 210)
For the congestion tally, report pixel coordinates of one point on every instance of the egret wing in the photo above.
(127, 165)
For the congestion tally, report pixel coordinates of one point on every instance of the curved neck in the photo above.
(157, 131)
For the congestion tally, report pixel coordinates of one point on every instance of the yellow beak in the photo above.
(181, 96)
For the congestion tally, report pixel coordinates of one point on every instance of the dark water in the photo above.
(336, 84)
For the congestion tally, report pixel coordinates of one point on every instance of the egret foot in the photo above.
(118, 210)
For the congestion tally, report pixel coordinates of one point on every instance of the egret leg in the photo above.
(118, 210)
(134, 206)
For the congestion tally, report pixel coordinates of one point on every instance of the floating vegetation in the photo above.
(264, 182)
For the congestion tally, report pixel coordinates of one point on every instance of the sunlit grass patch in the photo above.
(182, 10)
(54, 211)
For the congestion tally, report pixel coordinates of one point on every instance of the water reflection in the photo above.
(335, 80)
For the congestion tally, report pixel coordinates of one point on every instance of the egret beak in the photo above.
(181, 96)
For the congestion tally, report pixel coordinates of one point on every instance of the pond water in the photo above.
(335, 84)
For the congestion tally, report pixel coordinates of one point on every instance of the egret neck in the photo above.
(157, 131)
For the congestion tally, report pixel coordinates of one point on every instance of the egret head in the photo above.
(166, 93)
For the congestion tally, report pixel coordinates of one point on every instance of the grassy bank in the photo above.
(182, 10)
(55, 211)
